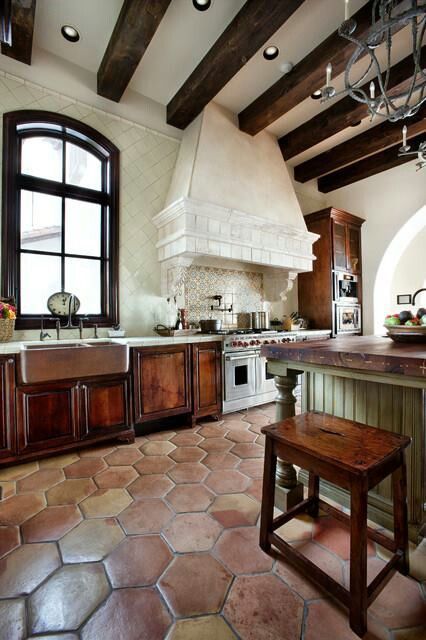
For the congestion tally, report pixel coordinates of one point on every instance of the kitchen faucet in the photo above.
(415, 295)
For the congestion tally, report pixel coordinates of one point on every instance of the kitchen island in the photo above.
(368, 379)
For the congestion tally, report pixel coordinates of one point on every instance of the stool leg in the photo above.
(400, 513)
(313, 492)
(358, 560)
(268, 495)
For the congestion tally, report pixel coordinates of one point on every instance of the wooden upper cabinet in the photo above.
(346, 244)
(161, 378)
(104, 406)
(207, 378)
(7, 407)
(339, 245)
(354, 248)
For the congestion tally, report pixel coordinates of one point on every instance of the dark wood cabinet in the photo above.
(206, 379)
(161, 381)
(337, 250)
(7, 407)
(104, 407)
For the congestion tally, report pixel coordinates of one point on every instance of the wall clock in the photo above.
(63, 303)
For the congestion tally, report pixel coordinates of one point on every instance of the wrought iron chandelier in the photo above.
(405, 150)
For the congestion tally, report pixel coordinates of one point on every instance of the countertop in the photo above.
(10, 348)
(369, 353)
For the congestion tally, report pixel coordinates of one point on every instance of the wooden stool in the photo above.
(355, 457)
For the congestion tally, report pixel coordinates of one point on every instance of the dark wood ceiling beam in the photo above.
(307, 76)
(387, 159)
(365, 144)
(136, 25)
(344, 113)
(23, 12)
(253, 25)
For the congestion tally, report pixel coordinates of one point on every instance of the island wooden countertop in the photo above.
(368, 353)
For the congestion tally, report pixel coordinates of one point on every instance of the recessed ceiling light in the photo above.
(271, 52)
(202, 5)
(316, 95)
(355, 124)
(70, 33)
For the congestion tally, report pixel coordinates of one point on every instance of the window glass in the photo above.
(40, 277)
(83, 277)
(82, 227)
(41, 216)
(83, 169)
(42, 157)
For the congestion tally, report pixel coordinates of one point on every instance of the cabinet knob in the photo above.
(11, 361)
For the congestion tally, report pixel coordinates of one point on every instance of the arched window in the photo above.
(60, 216)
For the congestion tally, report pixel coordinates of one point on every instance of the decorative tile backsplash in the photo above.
(241, 290)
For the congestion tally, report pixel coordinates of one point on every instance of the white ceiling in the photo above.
(184, 37)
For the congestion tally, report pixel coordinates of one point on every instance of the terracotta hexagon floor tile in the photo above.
(17, 509)
(123, 456)
(419, 633)
(96, 452)
(212, 431)
(25, 568)
(227, 481)
(247, 450)
(18, 472)
(145, 516)
(234, 510)
(12, 616)
(255, 489)
(51, 524)
(157, 448)
(205, 628)
(153, 486)
(195, 584)
(129, 614)
(116, 477)
(257, 418)
(260, 440)
(161, 436)
(241, 435)
(191, 532)
(9, 539)
(186, 439)
(216, 445)
(263, 607)
(85, 468)
(299, 528)
(91, 540)
(70, 491)
(59, 462)
(335, 536)
(105, 503)
(187, 472)
(154, 464)
(185, 498)
(239, 550)
(255, 428)
(236, 425)
(39, 481)
(252, 467)
(138, 561)
(307, 589)
(67, 598)
(187, 454)
(323, 558)
(7, 489)
(221, 461)
(325, 620)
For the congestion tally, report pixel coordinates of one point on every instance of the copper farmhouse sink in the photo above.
(71, 360)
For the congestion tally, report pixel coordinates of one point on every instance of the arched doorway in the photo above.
(383, 302)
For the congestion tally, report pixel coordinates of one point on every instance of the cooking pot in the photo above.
(209, 325)
(260, 320)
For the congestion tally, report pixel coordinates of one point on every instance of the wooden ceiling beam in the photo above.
(136, 25)
(361, 146)
(387, 159)
(253, 25)
(23, 12)
(344, 113)
(306, 76)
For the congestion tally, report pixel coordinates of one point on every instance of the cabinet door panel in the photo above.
(161, 382)
(46, 416)
(207, 382)
(354, 249)
(7, 407)
(339, 245)
(104, 407)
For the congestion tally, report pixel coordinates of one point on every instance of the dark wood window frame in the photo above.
(86, 137)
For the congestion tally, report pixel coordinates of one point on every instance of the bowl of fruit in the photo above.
(406, 327)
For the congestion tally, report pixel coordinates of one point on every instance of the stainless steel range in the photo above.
(246, 382)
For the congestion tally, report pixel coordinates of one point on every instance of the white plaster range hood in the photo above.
(231, 201)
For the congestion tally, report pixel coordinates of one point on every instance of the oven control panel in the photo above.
(241, 342)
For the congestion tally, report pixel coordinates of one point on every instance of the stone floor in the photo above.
(160, 540)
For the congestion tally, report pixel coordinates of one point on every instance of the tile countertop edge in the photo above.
(11, 348)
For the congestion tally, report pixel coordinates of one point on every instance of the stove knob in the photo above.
(273, 342)
(252, 342)
(245, 344)
(257, 341)
(266, 342)
(234, 344)
(239, 343)
(284, 340)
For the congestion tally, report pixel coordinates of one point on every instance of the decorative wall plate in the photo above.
(59, 303)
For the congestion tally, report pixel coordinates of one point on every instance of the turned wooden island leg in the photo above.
(288, 490)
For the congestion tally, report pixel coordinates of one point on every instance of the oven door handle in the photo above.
(242, 357)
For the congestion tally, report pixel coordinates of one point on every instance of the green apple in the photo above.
(391, 321)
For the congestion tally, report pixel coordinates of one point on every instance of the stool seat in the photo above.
(353, 456)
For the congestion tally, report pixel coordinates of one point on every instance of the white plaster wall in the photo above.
(410, 274)
(147, 162)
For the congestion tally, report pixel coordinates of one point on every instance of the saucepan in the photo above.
(210, 325)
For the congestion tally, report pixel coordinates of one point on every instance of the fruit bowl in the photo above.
(402, 333)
